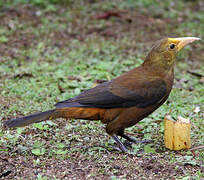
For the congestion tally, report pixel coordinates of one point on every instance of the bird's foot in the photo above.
(139, 141)
(130, 140)
(121, 146)
(116, 148)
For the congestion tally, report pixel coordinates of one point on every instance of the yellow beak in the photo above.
(183, 41)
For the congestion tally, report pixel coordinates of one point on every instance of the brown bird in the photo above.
(125, 100)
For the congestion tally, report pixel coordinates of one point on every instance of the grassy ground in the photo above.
(53, 52)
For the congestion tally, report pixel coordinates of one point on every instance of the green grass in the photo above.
(46, 50)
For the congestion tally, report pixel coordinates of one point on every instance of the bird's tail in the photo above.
(33, 118)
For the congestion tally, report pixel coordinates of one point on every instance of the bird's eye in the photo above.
(172, 46)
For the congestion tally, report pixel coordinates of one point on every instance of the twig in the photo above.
(198, 147)
(195, 74)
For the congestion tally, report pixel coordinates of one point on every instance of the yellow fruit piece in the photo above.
(177, 133)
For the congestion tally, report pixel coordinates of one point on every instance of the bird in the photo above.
(123, 101)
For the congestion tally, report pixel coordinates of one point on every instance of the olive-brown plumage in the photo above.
(125, 100)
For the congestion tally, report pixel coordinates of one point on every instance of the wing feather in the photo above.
(113, 95)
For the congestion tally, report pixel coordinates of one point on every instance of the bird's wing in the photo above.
(116, 95)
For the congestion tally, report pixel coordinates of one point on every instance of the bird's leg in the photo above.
(120, 144)
(130, 139)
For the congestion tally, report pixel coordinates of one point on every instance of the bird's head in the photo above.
(163, 53)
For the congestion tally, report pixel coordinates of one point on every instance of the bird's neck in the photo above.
(157, 65)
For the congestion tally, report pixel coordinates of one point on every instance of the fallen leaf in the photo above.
(197, 109)
(201, 80)
(108, 14)
(21, 75)
(61, 89)
(74, 78)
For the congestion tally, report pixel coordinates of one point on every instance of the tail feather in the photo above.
(33, 118)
